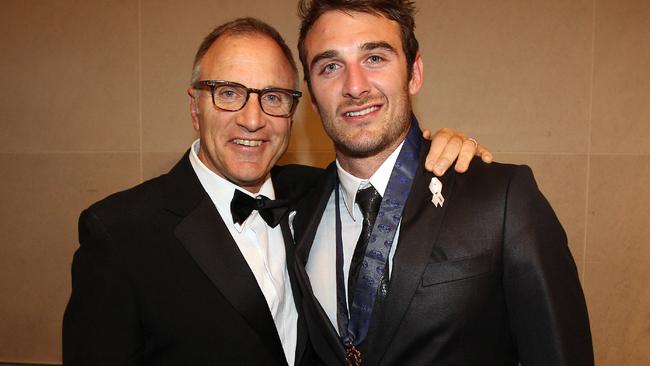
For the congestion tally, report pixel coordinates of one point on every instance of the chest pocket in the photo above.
(457, 269)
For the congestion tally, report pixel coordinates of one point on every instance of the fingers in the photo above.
(484, 153)
(448, 146)
(450, 150)
(438, 142)
(467, 152)
(470, 149)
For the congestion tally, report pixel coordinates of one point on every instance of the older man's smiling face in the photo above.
(242, 146)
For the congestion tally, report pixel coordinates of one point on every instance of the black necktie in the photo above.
(271, 211)
(369, 201)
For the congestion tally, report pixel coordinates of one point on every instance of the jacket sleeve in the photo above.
(101, 324)
(546, 305)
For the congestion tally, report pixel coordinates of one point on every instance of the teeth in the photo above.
(362, 112)
(254, 143)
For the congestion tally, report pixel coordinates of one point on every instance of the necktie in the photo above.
(271, 211)
(369, 201)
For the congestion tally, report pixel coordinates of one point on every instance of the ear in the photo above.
(417, 77)
(194, 107)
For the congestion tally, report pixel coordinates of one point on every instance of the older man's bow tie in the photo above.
(271, 211)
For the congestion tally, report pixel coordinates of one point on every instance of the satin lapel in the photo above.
(308, 217)
(297, 297)
(322, 332)
(206, 238)
(419, 230)
(289, 184)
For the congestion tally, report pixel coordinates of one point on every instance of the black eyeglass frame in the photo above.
(213, 84)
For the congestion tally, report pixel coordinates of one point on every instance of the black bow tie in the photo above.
(271, 211)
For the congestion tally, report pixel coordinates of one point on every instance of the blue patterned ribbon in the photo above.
(354, 328)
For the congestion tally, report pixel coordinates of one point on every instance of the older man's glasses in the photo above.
(232, 97)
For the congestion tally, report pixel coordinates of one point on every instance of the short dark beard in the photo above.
(366, 153)
(404, 120)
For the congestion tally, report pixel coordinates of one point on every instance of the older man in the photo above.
(399, 267)
(190, 268)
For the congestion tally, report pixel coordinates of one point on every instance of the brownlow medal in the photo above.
(353, 356)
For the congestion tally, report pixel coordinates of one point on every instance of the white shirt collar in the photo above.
(222, 190)
(350, 184)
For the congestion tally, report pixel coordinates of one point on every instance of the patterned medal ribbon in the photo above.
(353, 328)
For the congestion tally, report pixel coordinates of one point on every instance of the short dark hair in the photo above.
(243, 26)
(400, 11)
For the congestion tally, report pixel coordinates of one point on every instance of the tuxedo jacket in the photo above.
(159, 280)
(486, 279)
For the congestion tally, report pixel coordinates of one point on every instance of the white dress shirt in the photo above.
(262, 247)
(321, 264)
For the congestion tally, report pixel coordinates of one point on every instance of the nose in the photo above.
(356, 82)
(251, 117)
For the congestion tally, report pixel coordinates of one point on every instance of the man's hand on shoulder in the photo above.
(448, 145)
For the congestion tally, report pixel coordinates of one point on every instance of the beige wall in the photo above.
(92, 101)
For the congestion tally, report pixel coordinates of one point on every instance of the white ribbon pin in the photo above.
(436, 189)
(292, 215)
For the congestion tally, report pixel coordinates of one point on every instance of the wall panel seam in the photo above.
(589, 141)
(140, 132)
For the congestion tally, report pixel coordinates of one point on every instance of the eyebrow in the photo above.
(368, 46)
(321, 56)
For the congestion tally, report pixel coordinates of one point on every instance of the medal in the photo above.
(353, 356)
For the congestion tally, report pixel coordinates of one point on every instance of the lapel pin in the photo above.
(436, 189)
(292, 215)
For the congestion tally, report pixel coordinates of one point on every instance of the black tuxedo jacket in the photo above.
(486, 279)
(159, 280)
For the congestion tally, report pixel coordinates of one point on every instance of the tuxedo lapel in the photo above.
(310, 211)
(419, 229)
(301, 341)
(204, 235)
(290, 183)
